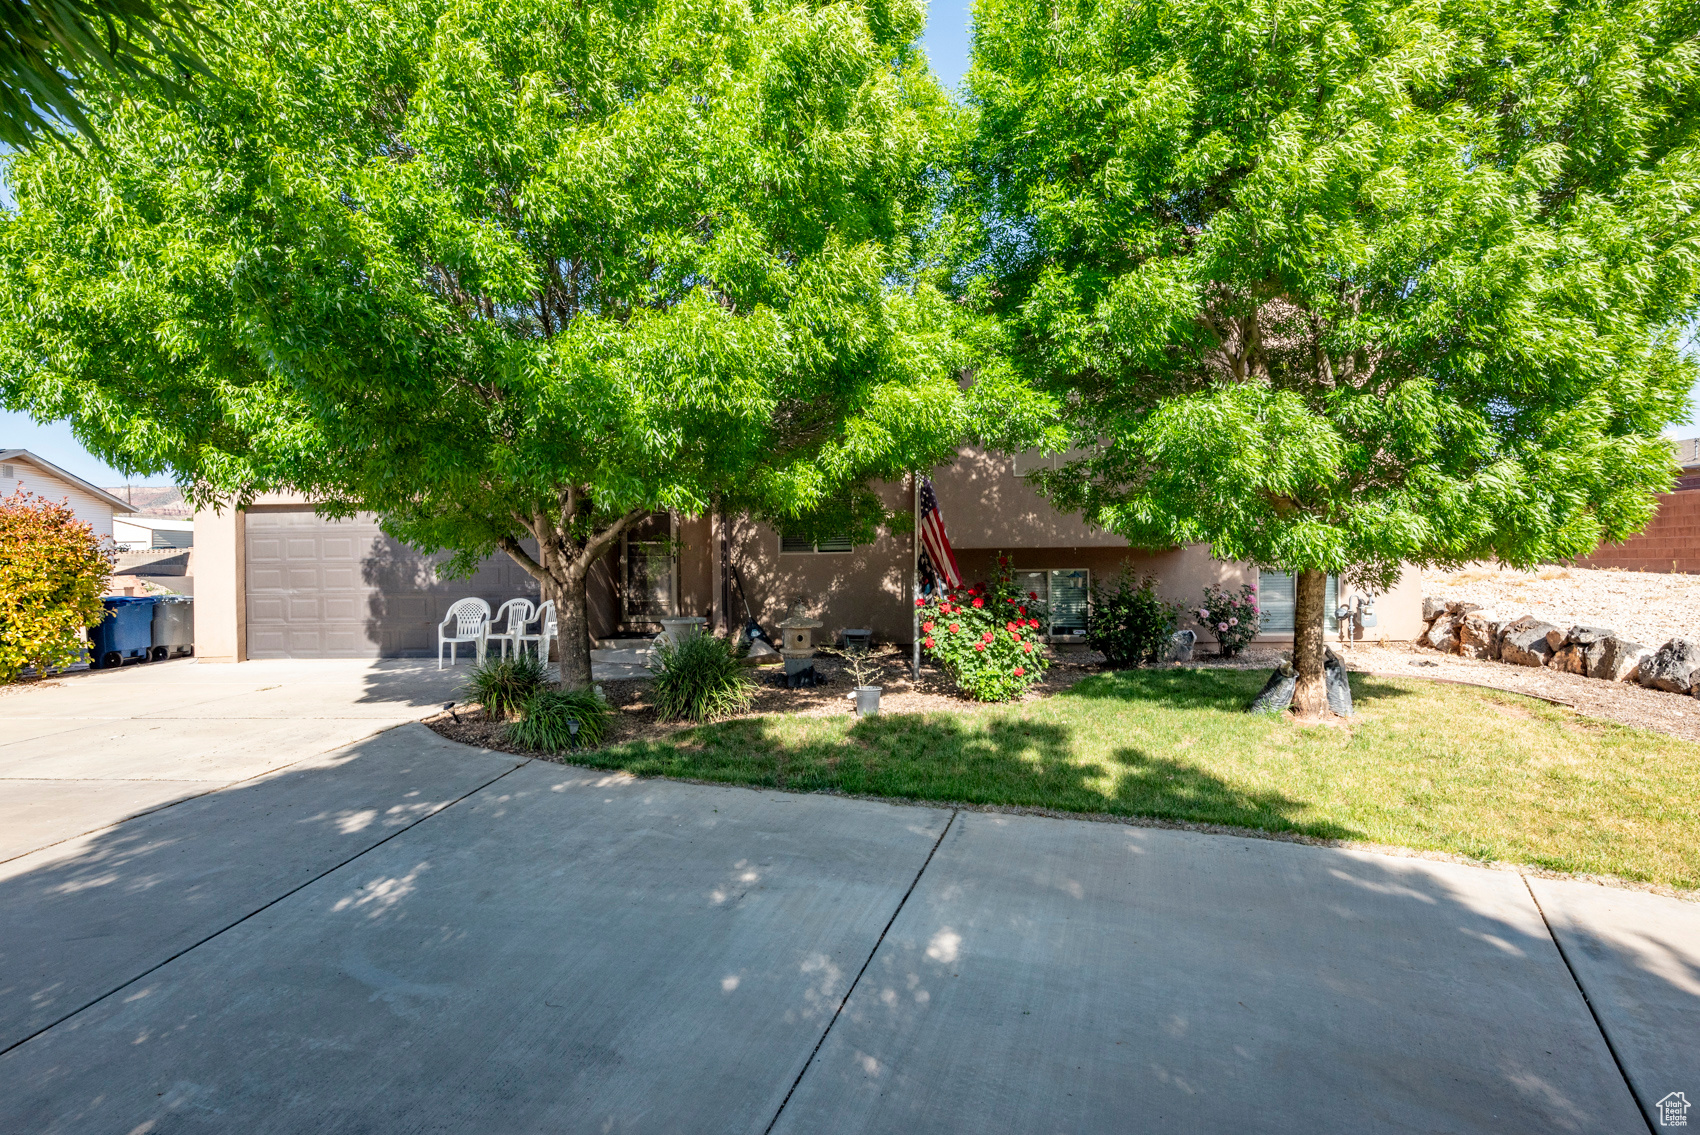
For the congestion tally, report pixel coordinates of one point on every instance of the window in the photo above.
(791, 544)
(1275, 599)
(1064, 591)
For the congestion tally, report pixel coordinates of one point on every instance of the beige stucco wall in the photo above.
(866, 587)
(221, 578)
(985, 505)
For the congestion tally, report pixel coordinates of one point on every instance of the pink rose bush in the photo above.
(987, 637)
(1232, 616)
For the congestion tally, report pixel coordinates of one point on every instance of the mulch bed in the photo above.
(636, 718)
(1622, 702)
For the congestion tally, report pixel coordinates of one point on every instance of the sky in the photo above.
(946, 44)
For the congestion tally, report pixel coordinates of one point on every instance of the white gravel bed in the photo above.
(1650, 607)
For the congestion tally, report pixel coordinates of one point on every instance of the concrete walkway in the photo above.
(409, 935)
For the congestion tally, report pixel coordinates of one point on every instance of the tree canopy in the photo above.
(49, 49)
(1338, 285)
(505, 271)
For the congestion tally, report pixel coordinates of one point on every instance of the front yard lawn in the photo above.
(1476, 772)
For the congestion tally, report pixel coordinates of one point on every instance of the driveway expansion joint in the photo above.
(1589, 1002)
(262, 908)
(866, 962)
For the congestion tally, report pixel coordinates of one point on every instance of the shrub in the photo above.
(988, 638)
(700, 679)
(503, 686)
(546, 721)
(1233, 617)
(1128, 622)
(53, 571)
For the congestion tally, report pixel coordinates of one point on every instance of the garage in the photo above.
(318, 588)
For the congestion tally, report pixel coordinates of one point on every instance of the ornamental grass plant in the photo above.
(701, 679)
(547, 720)
(989, 637)
(504, 685)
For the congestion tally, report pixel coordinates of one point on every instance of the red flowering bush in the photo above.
(988, 637)
(53, 571)
(1233, 617)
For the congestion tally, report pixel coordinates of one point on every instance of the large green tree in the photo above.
(50, 49)
(505, 271)
(1338, 285)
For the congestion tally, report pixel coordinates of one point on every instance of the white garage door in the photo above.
(342, 589)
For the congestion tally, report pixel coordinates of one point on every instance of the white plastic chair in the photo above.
(547, 631)
(514, 614)
(471, 621)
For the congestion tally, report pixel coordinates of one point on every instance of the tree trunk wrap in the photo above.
(1310, 693)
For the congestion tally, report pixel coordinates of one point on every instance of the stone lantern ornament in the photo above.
(797, 647)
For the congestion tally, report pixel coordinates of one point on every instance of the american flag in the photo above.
(934, 539)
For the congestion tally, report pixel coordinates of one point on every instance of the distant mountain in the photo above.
(163, 501)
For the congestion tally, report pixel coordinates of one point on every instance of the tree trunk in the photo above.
(561, 569)
(1310, 692)
(572, 613)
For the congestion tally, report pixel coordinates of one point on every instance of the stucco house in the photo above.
(93, 505)
(277, 581)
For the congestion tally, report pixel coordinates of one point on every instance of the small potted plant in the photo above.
(865, 671)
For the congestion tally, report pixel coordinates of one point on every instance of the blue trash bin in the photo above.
(125, 635)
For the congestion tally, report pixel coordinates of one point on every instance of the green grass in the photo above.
(1475, 772)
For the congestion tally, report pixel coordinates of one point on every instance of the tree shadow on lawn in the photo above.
(978, 759)
(1185, 688)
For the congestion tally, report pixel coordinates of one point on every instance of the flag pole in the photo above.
(915, 573)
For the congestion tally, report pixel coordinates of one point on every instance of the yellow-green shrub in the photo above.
(53, 571)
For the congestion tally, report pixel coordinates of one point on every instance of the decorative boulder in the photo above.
(1441, 634)
(1619, 659)
(1671, 667)
(1460, 608)
(1525, 642)
(1431, 608)
(1180, 646)
(1580, 651)
(1478, 635)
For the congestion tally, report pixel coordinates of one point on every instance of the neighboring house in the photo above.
(148, 533)
(21, 469)
(277, 581)
(1671, 543)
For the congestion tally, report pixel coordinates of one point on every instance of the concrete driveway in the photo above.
(403, 934)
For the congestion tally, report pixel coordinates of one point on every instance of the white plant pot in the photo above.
(867, 700)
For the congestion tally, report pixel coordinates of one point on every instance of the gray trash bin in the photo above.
(173, 626)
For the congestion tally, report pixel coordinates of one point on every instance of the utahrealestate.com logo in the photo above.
(1673, 1110)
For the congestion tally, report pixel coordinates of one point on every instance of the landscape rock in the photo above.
(1478, 635)
(1460, 608)
(1441, 634)
(1579, 652)
(1527, 642)
(1671, 667)
(1619, 658)
(1431, 608)
(1180, 646)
